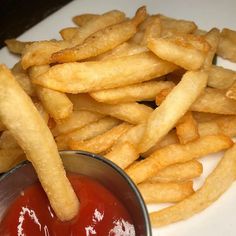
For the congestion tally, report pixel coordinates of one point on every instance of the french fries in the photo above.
(16, 46)
(35, 139)
(82, 19)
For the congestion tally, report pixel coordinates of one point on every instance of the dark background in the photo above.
(16, 16)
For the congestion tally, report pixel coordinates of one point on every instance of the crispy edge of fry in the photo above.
(16, 46)
(215, 185)
(231, 92)
(82, 19)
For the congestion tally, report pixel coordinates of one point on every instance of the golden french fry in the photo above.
(102, 40)
(220, 77)
(165, 192)
(82, 19)
(10, 157)
(68, 33)
(187, 129)
(215, 185)
(93, 76)
(205, 116)
(35, 138)
(16, 46)
(186, 51)
(213, 38)
(177, 153)
(57, 104)
(42, 111)
(178, 172)
(134, 113)
(123, 154)
(227, 45)
(101, 142)
(8, 141)
(76, 120)
(231, 92)
(145, 91)
(163, 119)
(87, 132)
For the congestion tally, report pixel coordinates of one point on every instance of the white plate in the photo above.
(219, 218)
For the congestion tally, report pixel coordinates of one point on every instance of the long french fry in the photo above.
(34, 137)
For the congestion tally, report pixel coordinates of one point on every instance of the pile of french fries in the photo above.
(144, 93)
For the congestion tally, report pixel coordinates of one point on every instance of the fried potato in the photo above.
(123, 154)
(68, 33)
(99, 75)
(134, 113)
(231, 92)
(145, 91)
(186, 51)
(16, 46)
(101, 142)
(87, 132)
(227, 45)
(8, 141)
(165, 192)
(10, 157)
(178, 172)
(187, 128)
(163, 118)
(42, 111)
(215, 185)
(57, 104)
(220, 77)
(102, 40)
(34, 137)
(76, 120)
(82, 19)
(177, 153)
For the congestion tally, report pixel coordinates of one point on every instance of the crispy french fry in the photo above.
(16, 46)
(165, 192)
(227, 45)
(163, 119)
(34, 137)
(123, 154)
(8, 141)
(134, 113)
(87, 132)
(177, 153)
(10, 157)
(42, 111)
(102, 40)
(82, 19)
(205, 116)
(187, 129)
(57, 104)
(231, 92)
(187, 51)
(146, 91)
(215, 185)
(68, 33)
(76, 120)
(178, 172)
(93, 76)
(101, 142)
(220, 77)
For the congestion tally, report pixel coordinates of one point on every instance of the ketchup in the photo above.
(101, 213)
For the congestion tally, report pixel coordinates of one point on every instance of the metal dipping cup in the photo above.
(91, 165)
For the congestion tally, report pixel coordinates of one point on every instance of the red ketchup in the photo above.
(101, 213)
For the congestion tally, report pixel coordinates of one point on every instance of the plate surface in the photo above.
(219, 218)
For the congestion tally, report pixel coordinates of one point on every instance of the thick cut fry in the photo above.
(101, 142)
(39, 53)
(178, 172)
(220, 77)
(163, 118)
(188, 51)
(76, 120)
(204, 116)
(68, 33)
(82, 19)
(57, 104)
(146, 91)
(34, 137)
(227, 45)
(98, 75)
(165, 192)
(10, 157)
(177, 153)
(16, 46)
(187, 129)
(134, 113)
(231, 92)
(213, 38)
(87, 132)
(7, 140)
(102, 40)
(123, 154)
(215, 185)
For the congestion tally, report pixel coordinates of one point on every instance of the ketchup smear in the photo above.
(101, 213)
